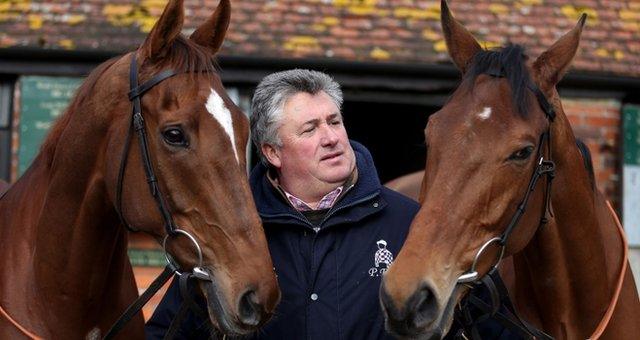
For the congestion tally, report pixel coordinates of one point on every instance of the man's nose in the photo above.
(329, 136)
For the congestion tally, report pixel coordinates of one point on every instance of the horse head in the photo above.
(196, 139)
(484, 147)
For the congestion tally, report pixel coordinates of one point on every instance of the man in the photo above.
(332, 229)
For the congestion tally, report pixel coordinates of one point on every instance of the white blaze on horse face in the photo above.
(215, 106)
(485, 114)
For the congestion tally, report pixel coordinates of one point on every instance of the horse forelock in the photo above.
(508, 62)
(184, 56)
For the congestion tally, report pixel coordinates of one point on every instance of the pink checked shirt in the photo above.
(325, 203)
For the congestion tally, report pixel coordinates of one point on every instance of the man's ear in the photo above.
(272, 154)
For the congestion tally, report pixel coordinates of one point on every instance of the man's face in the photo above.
(315, 150)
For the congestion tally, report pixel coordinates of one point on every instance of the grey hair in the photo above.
(273, 92)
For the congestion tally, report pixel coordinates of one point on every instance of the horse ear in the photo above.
(165, 31)
(461, 44)
(554, 62)
(211, 33)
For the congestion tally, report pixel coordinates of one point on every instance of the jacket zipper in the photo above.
(313, 242)
(305, 222)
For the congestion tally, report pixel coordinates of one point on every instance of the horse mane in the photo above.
(183, 56)
(508, 62)
(588, 163)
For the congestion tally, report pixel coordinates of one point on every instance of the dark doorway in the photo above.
(394, 133)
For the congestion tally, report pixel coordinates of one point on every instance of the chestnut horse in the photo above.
(63, 250)
(496, 134)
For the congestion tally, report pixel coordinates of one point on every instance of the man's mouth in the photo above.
(331, 156)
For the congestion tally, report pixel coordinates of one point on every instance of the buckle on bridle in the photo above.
(546, 167)
(197, 271)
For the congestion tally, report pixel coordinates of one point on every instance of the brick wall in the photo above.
(597, 123)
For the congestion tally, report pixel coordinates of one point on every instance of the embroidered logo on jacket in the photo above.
(382, 259)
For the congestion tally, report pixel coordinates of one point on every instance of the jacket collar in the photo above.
(271, 203)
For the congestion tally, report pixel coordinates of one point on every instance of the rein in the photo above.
(18, 326)
(616, 295)
(510, 319)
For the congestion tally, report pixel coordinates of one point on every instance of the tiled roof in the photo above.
(400, 31)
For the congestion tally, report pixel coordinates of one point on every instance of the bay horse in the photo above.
(408, 185)
(63, 250)
(502, 130)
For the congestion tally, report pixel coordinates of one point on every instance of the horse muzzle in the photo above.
(421, 316)
(237, 316)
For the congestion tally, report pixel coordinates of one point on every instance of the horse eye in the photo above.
(521, 154)
(175, 136)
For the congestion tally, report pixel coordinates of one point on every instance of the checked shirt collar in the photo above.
(325, 203)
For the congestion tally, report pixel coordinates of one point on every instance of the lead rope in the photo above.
(18, 326)
(614, 301)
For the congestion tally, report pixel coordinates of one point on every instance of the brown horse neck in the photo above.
(566, 276)
(60, 209)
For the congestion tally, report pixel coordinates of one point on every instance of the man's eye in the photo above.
(309, 129)
(336, 122)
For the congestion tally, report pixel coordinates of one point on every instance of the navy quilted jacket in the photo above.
(329, 279)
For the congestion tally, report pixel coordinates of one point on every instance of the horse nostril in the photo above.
(249, 310)
(418, 312)
(425, 307)
(396, 318)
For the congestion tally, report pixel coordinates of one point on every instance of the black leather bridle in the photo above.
(491, 280)
(137, 123)
(544, 167)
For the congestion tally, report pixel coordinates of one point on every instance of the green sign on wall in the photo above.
(42, 100)
(631, 173)
(631, 124)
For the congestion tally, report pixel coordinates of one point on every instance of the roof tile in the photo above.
(369, 30)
